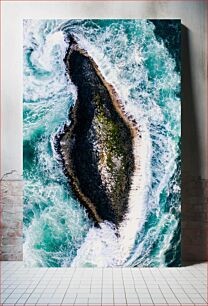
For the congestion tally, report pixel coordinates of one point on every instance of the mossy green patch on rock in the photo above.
(111, 134)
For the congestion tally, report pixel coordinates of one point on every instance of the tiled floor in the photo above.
(69, 286)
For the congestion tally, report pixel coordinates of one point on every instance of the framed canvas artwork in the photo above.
(102, 130)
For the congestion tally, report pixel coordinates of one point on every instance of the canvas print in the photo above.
(102, 130)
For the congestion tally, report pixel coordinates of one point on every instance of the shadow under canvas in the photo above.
(194, 201)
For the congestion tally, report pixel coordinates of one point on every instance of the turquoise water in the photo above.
(132, 56)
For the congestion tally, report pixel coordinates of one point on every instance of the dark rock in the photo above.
(97, 147)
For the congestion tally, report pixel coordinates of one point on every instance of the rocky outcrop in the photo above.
(97, 148)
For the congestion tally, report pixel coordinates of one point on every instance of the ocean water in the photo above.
(142, 62)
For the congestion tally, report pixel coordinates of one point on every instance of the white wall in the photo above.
(192, 15)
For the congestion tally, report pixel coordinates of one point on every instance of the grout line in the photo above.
(135, 287)
(170, 287)
(113, 288)
(102, 288)
(123, 285)
(68, 286)
(146, 286)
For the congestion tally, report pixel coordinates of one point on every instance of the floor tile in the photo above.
(173, 286)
